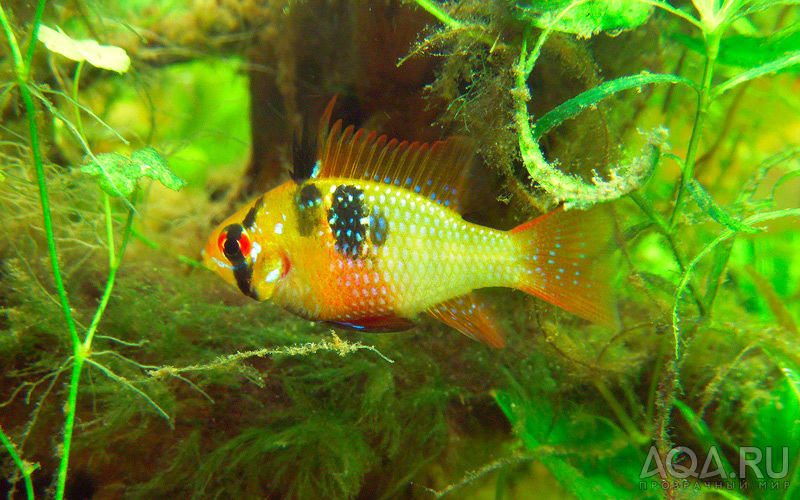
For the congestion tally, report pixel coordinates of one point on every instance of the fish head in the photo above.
(244, 255)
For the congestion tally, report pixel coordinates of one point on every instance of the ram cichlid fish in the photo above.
(372, 237)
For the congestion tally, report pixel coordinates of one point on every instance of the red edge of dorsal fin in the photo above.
(437, 171)
(470, 316)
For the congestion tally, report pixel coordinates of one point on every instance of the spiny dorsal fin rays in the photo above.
(433, 170)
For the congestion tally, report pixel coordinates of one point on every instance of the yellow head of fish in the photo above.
(247, 253)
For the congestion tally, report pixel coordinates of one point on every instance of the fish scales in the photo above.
(371, 235)
(424, 254)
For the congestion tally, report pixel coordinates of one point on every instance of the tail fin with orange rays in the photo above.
(565, 261)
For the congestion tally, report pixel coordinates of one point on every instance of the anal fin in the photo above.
(471, 317)
(379, 324)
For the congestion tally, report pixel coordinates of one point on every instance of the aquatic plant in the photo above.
(177, 389)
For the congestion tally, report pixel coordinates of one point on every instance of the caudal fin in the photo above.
(565, 261)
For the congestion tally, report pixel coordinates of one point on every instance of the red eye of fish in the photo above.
(221, 241)
(244, 244)
(233, 247)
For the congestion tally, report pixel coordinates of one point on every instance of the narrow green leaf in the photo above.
(786, 177)
(705, 435)
(746, 51)
(587, 478)
(770, 67)
(774, 302)
(760, 172)
(687, 274)
(789, 369)
(592, 97)
(584, 18)
(716, 212)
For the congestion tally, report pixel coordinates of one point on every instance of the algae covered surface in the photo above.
(131, 128)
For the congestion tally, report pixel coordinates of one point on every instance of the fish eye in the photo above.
(231, 248)
(234, 243)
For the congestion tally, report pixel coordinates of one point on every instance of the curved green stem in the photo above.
(712, 40)
(26, 469)
(663, 227)
(37, 21)
(69, 421)
(114, 263)
(23, 70)
(75, 86)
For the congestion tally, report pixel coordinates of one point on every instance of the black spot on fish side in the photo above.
(307, 203)
(250, 218)
(347, 218)
(378, 227)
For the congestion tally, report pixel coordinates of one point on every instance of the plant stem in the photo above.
(22, 71)
(75, 85)
(628, 424)
(37, 21)
(114, 263)
(712, 40)
(439, 14)
(23, 467)
(644, 205)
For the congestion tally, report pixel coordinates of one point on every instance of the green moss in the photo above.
(190, 390)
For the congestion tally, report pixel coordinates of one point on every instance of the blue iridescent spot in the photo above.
(552, 253)
(447, 187)
(433, 196)
(430, 182)
(387, 180)
(408, 181)
(417, 189)
(446, 203)
(558, 245)
(397, 182)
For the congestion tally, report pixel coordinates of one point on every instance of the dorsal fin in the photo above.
(436, 170)
(471, 317)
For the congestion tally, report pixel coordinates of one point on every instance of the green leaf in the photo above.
(584, 18)
(117, 175)
(716, 212)
(779, 64)
(785, 177)
(101, 56)
(593, 475)
(726, 234)
(704, 434)
(747, 51)
(595, 95)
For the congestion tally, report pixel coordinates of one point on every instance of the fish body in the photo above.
(375, 238)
